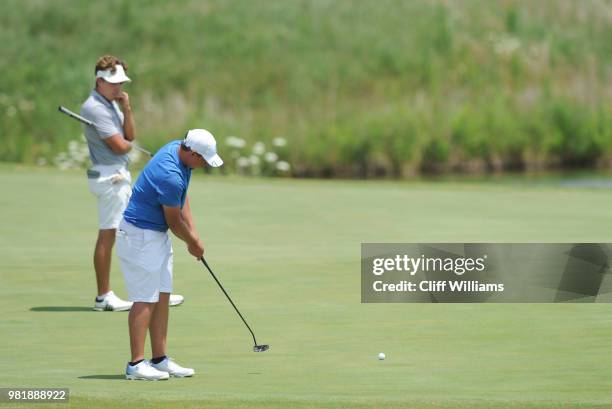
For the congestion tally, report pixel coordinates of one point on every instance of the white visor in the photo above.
(114, 78)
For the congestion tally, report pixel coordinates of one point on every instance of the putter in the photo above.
(256, 347)
(79, 118)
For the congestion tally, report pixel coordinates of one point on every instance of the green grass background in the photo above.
(359, 88)
(289, 254)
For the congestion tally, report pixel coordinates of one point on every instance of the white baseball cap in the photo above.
(114, 76)
(203, 142)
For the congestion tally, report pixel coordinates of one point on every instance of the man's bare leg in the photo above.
(159, 326)
(139, 321)
(159, 330)
(102, 259)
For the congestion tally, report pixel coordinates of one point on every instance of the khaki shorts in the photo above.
(113, 190)
(146, 259)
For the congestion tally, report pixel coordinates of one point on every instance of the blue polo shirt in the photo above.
(163, 182)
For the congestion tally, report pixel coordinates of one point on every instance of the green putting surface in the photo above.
(288, 252)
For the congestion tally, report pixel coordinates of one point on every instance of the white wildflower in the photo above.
(259, 148)
(270, 157)
(283, 166)
(235, 142)
(279, 142)
(242, 162)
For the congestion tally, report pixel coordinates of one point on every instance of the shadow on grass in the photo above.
(60, 309)
(105, 377)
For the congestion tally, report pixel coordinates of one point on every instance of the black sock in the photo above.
(136, 362)
(158, 360)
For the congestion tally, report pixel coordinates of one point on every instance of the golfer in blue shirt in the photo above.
(159, 202)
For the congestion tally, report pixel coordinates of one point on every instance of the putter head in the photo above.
(261, 348)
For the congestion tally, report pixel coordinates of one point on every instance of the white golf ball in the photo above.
(381, 356)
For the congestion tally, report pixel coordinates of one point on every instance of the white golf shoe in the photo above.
(111, 302)
(176, 299)
(144, 371)
(173, 369)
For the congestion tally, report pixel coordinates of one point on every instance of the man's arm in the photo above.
(129, 129)
(117, 144)
(106, 128)
(186, 213)
(181, 228)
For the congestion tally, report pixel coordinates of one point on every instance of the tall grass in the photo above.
(359, 88)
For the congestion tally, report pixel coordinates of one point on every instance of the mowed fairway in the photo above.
(288, 252)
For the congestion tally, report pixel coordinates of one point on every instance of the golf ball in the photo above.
(381, 356)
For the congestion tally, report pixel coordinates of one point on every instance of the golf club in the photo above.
(256, 347)
(78, 117)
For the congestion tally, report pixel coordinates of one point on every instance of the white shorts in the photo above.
(146, 259)
(112, 188)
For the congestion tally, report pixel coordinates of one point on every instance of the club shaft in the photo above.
(138, 148)
(230, 300)
(86, 121)
(78, 117)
